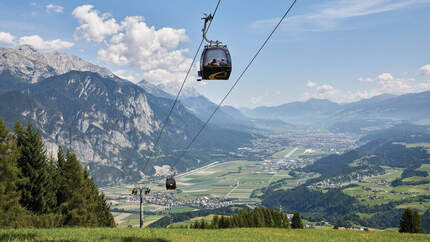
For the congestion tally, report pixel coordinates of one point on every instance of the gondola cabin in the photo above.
(170, 183)
(215, 63)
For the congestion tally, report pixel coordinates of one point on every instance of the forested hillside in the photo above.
(38, 190)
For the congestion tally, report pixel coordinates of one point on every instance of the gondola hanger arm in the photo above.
(208, 18)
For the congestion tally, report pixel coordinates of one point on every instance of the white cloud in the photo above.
(93, 26)
(329, 15)
(425, 70)
(385, 83)
(133, 43)
(54, 8)
(6, 38)
(385, 77)
(337, 95)
(37, 42)
(311, 84)
(366, 79)
(127, 75)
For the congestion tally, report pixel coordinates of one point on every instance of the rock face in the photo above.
(30, 66)
(110, 124)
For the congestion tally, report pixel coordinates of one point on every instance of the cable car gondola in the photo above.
(170, 183)
(215, 62)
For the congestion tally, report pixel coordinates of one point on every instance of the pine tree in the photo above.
(196, 225)
(296, 221)
(221, 224)
(77, 207)
(12, 215)
(417, 223)
(410, 222)
(426, 221)
(99, 204)
(227, 222)
(202, 224)
(215, 221)
(60, 177)
(38, 192)
(285, 221)
(242, 221)
(104, 216)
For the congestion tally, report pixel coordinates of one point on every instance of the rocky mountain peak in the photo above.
(31, 66)
(26, 49)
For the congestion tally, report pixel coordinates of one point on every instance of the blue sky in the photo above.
(342, 50)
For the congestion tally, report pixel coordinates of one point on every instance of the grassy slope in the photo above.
(262, 234)
(387, 193)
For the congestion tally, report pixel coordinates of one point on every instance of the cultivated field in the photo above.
(233, 180)
(378, 190)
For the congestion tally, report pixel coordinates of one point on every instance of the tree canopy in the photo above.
(41, 191)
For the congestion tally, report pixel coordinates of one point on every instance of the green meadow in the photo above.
(245, 234)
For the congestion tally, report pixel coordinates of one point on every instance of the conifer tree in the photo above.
(426, 221)
(215, 221)
(196, 225)
(410, 222)
(258, 218)
(202, 224)
(221, 224)
(12, 215)
(296, 221)
(242, 221)
(38, 193)
(227, 222)
(60, 179)
(98, 202)
(285, 221)
(77, 207)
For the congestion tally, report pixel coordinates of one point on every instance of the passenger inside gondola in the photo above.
(213, 63)
(223, 62)
(215, 58)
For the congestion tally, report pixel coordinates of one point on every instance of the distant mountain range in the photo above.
(109, 122)
(379, 112)
(226, 117)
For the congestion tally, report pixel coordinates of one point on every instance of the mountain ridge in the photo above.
(111, 125)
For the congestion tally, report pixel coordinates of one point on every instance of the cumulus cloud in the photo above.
(127, 75)
(134, 43)
(311, 84)
(93, 26)
(385, 83)
(54, 8)
(329, 15)
(425, 70)
(326, 91)
(37, 42)
(385, 77)
(7, 38)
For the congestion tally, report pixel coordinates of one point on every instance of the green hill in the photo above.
(369, 186)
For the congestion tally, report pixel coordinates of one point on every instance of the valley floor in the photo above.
(247, 234)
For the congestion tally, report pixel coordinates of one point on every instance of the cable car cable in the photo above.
(179, 93)
(236, 82)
